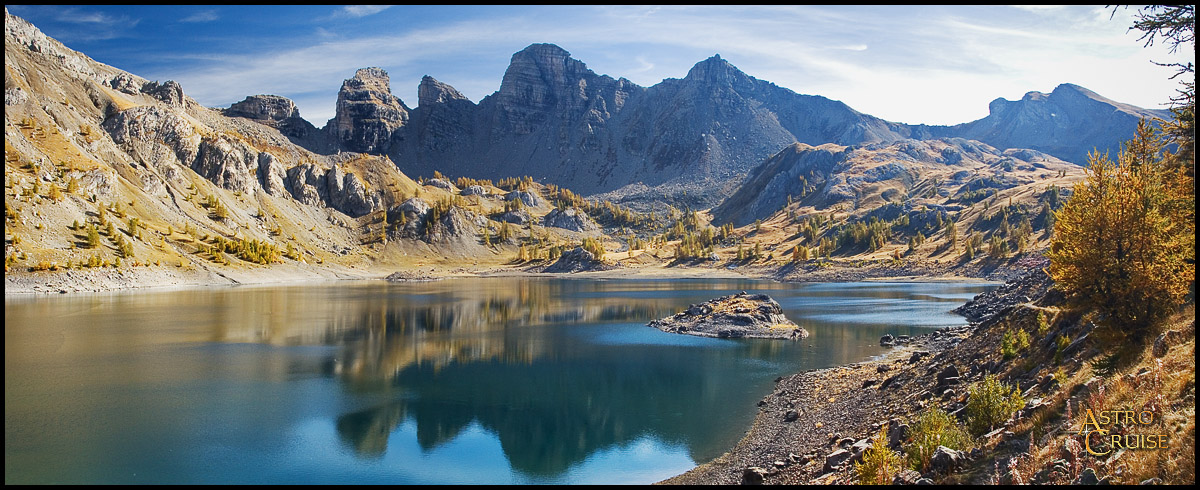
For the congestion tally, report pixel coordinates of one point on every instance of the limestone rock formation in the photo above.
(160, 138)
(518, 217)
(443, 121)
(274, 111)
(570, 219)
(347, 193)
(101, 137)
(529, 199)
(367, 112)
(734, 316)
(170, 92)
(474, 190)
(458, 227)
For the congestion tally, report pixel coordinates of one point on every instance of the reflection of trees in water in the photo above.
(549, 416)
(367, 431)
(466, 324)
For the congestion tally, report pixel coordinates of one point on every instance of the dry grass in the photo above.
(1162, 388)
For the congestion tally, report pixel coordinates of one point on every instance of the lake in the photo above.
(463, 381)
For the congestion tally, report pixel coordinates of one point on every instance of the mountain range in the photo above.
(85, 142)
(688, 140)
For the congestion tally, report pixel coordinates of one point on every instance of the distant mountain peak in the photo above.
(539, 76)
(716, 69)
(544, 49)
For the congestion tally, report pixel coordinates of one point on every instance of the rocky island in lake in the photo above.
(735, 316)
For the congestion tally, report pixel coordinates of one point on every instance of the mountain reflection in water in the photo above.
(561, 374)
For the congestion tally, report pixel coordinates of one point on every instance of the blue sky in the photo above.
(910, 64)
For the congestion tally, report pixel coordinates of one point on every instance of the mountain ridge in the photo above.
(690, 140)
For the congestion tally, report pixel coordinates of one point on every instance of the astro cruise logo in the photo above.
(1105, 431)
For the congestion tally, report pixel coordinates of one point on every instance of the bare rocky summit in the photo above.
(367, 112)
(735, 316)
(277, 112)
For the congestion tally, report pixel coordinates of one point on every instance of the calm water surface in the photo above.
(493, 380)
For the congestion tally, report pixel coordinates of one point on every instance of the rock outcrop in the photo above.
(574, 260)
(367, 113)
(1035, 284)
(529, 199)
(169, 92)
(570, 219)
(274, 111)
(734, 316)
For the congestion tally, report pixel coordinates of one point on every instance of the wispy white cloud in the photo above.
(78, 16)
(363, 10)
(645, 65)
(324, 33)
(94, 25)
(202, 16)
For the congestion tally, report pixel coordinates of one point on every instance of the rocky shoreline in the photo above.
(202, 274)
(811, 427)
(815, 425)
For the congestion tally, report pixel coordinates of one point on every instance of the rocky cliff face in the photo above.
(155, 137)
(442, 123)
(367, 113)
(274, 111)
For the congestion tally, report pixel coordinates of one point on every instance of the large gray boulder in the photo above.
(529, 199)
(570, 219)
(945, 459)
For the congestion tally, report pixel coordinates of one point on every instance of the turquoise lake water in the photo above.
(467, 381)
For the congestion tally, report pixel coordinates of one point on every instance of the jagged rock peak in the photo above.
(370, 77)
(367, 113)
(169, 92)
(716, 69)
(543, 51)
(274, 111)
(264, 107)
(541, 65)
(370, 85)
(431, 91)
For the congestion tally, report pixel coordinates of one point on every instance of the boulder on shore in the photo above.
(734, 316)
